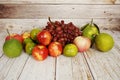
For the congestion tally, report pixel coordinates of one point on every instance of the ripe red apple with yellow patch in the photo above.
(14, 36)
(55, 49)
(25, 35)
(40, 52)
(44, 37)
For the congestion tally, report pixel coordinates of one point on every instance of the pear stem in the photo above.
(91, 21)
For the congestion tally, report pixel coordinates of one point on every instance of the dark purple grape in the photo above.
(62, 21)
(63, 33)
(58, 28)
(57, 23)
(60, 32)
(55, 39)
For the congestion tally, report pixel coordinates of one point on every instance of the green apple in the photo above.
(34, 33)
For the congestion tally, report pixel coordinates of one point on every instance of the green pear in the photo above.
(90, 30)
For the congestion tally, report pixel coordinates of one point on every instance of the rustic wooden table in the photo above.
(21, 15)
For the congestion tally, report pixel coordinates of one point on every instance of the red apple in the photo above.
(15, 36)
(83, 43)
(55, 49)
(44, 37)
(25, 35)
(40, 52)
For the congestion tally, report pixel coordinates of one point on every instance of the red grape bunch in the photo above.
(61, 32)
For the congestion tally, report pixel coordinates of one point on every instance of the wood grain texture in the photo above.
(59, 11)
(23, 15)
(14, 66)
(105, 66)
(90, 65)
(60, 2)
(19, 25)
(72, 68)
(35, 70)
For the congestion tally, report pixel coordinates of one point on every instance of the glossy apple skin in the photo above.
(15, 36)
(55, 49)
(44, 37)
(25, 35)
(83, 43)
(40, 52)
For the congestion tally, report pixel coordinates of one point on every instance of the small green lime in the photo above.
(27, 40)
(104, 42)
(12, 48)
(70, 50)
(29, 47)
(34, 33)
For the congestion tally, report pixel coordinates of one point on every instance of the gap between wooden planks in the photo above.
(105, 66)
(88, 66)
(25, 67)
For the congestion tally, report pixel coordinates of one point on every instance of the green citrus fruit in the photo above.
(27, 40)
(70, 50)
(12, 48)
(29, 47)
(104, 42)
(34, 33)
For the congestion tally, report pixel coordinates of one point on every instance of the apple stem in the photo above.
(8, 32)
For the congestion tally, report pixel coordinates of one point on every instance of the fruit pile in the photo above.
(61, 32)
(55, 39)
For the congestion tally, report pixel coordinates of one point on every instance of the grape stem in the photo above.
(51, 21)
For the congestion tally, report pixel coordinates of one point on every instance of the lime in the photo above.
(29, 47)
(34, 33)
(12, 48)
(27, 40)
(104, 42)
(70, 50)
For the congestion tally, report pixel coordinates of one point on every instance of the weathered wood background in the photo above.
(22, 15)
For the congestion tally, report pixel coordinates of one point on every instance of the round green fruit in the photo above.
(27, 40)
(70, 50)
(12, 48)
(90, 30)
(34, 33)
(104, 42)
(29, 47)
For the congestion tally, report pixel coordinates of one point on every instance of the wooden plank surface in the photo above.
(23, 15)
(72, 68)
(90, 65)
(105, 66)
(60, 1)
(31, 11)
(35, 70)
(15, 24)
